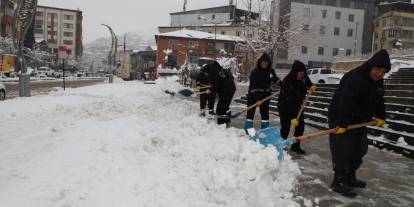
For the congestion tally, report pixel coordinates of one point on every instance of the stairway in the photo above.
(397, 135)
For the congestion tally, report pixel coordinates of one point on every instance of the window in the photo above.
(335, 51)
(324, 13)
(194, 44)
(338, 15)
(173, 44)
(326, 71)
(210, 48)
(213, 16)
(52, 32)
(322, 30)
(310, 72)
(315, 72)
(304, 50)
(306, 28)
(67, 42)
(68, 26)
(52, 41)
(238, 33)
(223, 32)
(350, 32)
(336, 31)
(68, 17)
(351, 18)
(384, 22)
(321, 51)
(348, 52)
(39, 14)
(39, 31)
(307, 12)
(68, 34)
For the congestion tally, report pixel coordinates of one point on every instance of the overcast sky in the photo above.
(142, 16)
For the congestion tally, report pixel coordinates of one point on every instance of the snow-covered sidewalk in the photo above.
(130, 144)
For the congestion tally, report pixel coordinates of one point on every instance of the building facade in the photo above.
(327, 32)
(394, 26)
(224, 20)
(6, 13)
(143, 62)
(188, 46)
(58, 26)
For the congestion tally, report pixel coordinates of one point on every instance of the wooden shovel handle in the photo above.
(302, 108)
(203, 87)
(260, 102)
(331, 131)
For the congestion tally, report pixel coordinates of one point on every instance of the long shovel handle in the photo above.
(259, 102)
(203, 87)
(302, 108)
(331, 131)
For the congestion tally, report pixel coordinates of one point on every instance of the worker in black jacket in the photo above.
(222, 83)
(358, 99)
(262, 78)
(207, 96)
(294, 88)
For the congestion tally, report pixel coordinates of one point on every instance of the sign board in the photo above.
(7, 63)
(63, 52)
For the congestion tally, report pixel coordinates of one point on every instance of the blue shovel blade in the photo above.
(271, 136)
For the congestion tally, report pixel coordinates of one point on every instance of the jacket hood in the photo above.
(212, 68)
(380, 59)
(297, 67)
(264, 57)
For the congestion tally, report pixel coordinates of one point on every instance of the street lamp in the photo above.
(215, 34)
(356, 37)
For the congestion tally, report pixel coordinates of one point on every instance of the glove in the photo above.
(340, 130)
(312, 88)
(379, 123)
(208, 91)
(294, 122)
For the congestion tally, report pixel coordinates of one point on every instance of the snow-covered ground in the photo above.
(130, 144)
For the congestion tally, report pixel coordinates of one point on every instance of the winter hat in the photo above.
(265, 57)
(298, 66)
(380, 59)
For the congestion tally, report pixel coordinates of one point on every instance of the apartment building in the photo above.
(394, 26)
(59, 26)
(6, 15)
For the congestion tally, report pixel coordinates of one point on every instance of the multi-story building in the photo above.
(394, 26)
(58, 26)
(224, 20)
(342, 27)
(6, 15)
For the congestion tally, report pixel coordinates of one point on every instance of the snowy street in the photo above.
(130, 144)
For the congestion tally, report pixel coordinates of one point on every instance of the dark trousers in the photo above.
(264, 108)
(285, 122)
(207, 100)
(348, 149)
(223, 107)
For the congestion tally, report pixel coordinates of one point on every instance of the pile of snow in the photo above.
(130, 144)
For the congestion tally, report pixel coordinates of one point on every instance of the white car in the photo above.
(2, 92)
(324, 76)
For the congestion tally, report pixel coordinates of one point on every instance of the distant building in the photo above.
(179, 47)
(343, 27)
(228, 20)
(143, 62)
(59, 26)
(394, 26)
(6, 13)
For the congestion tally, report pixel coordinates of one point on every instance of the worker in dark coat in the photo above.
(262, 78)
(358, 99)
(207, 96)
(294, 88)
(222, 83)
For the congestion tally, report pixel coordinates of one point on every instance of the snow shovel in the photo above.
(236, 115)
(271, 136)
(302, 108)
(186, 92)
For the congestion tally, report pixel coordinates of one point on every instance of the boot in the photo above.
(265, 124)
(340, 185)
(248, 125)
(202, 113)
(354, 182)
(296, 148)
(211, 112)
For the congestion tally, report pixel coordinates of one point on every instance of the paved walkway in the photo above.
(390, 176)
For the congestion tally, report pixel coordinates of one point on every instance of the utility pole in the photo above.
(356, 38)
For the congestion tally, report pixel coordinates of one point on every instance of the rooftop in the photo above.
(396, 6)
(192, 34)
(57, 8)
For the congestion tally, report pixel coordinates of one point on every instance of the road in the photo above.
(44, 87)
(390, 176)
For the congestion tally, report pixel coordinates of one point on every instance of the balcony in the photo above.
(6, 20)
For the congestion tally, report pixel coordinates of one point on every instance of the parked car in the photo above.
(2, 92)
(324, 76)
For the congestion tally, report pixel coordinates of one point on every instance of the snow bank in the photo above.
(129, 144)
